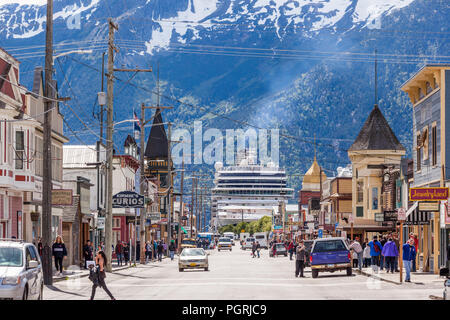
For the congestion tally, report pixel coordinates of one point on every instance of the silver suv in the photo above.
(21, 275)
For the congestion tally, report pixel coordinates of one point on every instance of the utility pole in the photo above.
(169, 194)
(47, 156)
(196, 209)
(194, 185)
(101, 106)
(201, 210)
(109, 144)
(180, 215)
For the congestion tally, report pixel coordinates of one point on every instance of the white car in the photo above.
(193, 258)
(21, 275)
(248, 243)
(224, 243)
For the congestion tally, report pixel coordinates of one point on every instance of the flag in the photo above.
(137, 126)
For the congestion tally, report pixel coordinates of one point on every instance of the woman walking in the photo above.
(389, 253)
(101, 262)
(59, 252)
(126, 253)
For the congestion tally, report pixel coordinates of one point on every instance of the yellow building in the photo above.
(375, 149)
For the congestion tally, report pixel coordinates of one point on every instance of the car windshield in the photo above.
(193, 252)
(329, 245)
(188, 242)
(224, 240)
(280, 245)
(10, 257)
(250, 239)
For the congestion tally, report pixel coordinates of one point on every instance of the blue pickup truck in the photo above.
(330, 254)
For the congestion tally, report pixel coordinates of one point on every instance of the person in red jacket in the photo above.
(290, 249)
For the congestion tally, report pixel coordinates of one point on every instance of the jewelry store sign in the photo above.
(428, 194)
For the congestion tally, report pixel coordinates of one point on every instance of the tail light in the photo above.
(310, 259)
(349, 256)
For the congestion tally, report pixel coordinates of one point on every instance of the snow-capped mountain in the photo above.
(304, 66)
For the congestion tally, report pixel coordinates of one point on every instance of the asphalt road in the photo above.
(236, 275)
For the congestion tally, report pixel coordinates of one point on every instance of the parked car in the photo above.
(280, 250)
(224, 243)
(193, 258)
(21, 276)
(330, 254)
(248, 243)
(188, 243)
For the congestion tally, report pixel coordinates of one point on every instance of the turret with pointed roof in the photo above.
(157, 143)
(376, 134)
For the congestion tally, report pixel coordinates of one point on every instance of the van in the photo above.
(248, 243)
(243, 236)
(261, 237)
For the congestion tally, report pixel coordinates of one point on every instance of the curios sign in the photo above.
(128, 199)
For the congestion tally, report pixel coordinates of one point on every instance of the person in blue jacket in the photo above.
(375, 252)
(409, 255)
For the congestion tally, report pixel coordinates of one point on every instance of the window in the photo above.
(116, 223)
(359, 190)
(38, 156)
(375, 198)
(434, 144)
(360, 211)
(425, 142)
(20, 149)
(329, 245)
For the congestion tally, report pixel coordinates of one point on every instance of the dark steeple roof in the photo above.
(157, 143)
(376, 134)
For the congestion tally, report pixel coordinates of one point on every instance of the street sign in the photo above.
(101, 223)
(350, 219)
(390, 216)
(62, 197)
(379, 217)
(128, 199)
(401, 214)
(242, 231)
(428, 194)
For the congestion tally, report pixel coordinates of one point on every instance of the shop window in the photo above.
(19, 149)
(360, 191)
(425, 142)
(434, 144)
(360, 211)
(375, 198)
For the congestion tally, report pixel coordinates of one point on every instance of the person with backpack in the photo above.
(358, 251)
(375, 252)
(172, 250)
(389, 252)
(409, 255)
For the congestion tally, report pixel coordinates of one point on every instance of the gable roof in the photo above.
(376, 134)
(157, 144)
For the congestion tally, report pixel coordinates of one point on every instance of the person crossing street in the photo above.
(301, 255)
(409, 255)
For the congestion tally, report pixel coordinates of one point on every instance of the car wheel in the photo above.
(206, 268)
(25, 293)
(315, 273)
(285, 255)
(180, 269)
(349, 271)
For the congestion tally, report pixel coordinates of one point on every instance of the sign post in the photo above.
(351, 220)
(401, 217)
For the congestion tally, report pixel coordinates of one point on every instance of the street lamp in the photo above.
(70, 52)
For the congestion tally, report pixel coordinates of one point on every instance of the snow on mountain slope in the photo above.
(27, 19)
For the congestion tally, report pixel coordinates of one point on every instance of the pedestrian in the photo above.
(101, 263)
(375, 252)
(366, 256)
(172, 250)
(416, 246)
(148, 251)
(119, 253)
(160, 251)
(397, 244)
(301, 254)
(291, 249)
(126, 253)
(87, 253)
(383, 241)
(409, 255)
(59, 252)
(155, 250)
(358, 251)
(40, 246)
(258, 248)
(274, 250)
(253, 249)
(389, 252)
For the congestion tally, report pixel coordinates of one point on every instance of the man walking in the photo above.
(300, 256)
(258, 248)
(356, 247)
(389, 253)
(375, 252)
(291, 250)
(409, 255)
(87, 253)
(119, 252)
(416, 245)
(383, 241)
(253, 249)
(160, 251)
(172, 249)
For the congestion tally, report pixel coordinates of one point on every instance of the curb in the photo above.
(376, 277)
(68, 277)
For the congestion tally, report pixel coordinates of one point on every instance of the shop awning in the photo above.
(185, 232)
(412, 208)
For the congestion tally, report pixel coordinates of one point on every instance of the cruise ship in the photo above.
(247, 191)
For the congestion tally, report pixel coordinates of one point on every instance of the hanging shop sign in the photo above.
(62, 197)
(429, 206)
(428, 194)
(390, 216)
(379, 217)
(101, 223)
(128, 199)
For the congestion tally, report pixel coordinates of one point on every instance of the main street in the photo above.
(236, 275)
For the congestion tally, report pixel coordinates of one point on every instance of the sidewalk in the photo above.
(416, 277)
